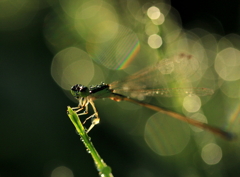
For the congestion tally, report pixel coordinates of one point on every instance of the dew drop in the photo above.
(82, 139)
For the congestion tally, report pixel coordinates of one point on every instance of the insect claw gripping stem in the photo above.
(95, 121)
(83, 106)
(77, 109)
(90, 117)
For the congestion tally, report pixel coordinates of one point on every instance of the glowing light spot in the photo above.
(69, 65)
(211, 154)
(153, 12)
(62, 171)
(96, 23)
(154, 41)
(160, 20)
(165, 135)
(227, 64)
(192, 103)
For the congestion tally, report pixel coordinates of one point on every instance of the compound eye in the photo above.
(77, 87)
(79, 90)
(83, 88)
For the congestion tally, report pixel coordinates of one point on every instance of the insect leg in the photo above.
(95, 118)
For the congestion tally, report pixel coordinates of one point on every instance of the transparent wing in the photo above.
(169, 77)
(166, 92)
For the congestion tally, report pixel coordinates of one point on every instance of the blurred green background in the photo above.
(47, 46)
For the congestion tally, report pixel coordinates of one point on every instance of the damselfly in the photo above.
(136, 85)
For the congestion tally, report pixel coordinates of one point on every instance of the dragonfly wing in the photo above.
(175, 71)
(166, 92)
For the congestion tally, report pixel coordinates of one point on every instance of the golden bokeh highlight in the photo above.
(211, 154)
(166, 136)
(71, 66)
(62, 171)
(160, 20)
(227, 64)
(98, 23)
(153, 13)
(155, 41)
(192, 103)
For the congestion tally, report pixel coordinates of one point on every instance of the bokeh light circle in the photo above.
(155, 41)
(71, 66)
(159, 20)
(101, 24)
(227, 64)
(153, 12)
(62, 171)
(165, 135)
(192, 103)
(211, 154)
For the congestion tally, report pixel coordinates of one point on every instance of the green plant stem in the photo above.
(102, 167)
